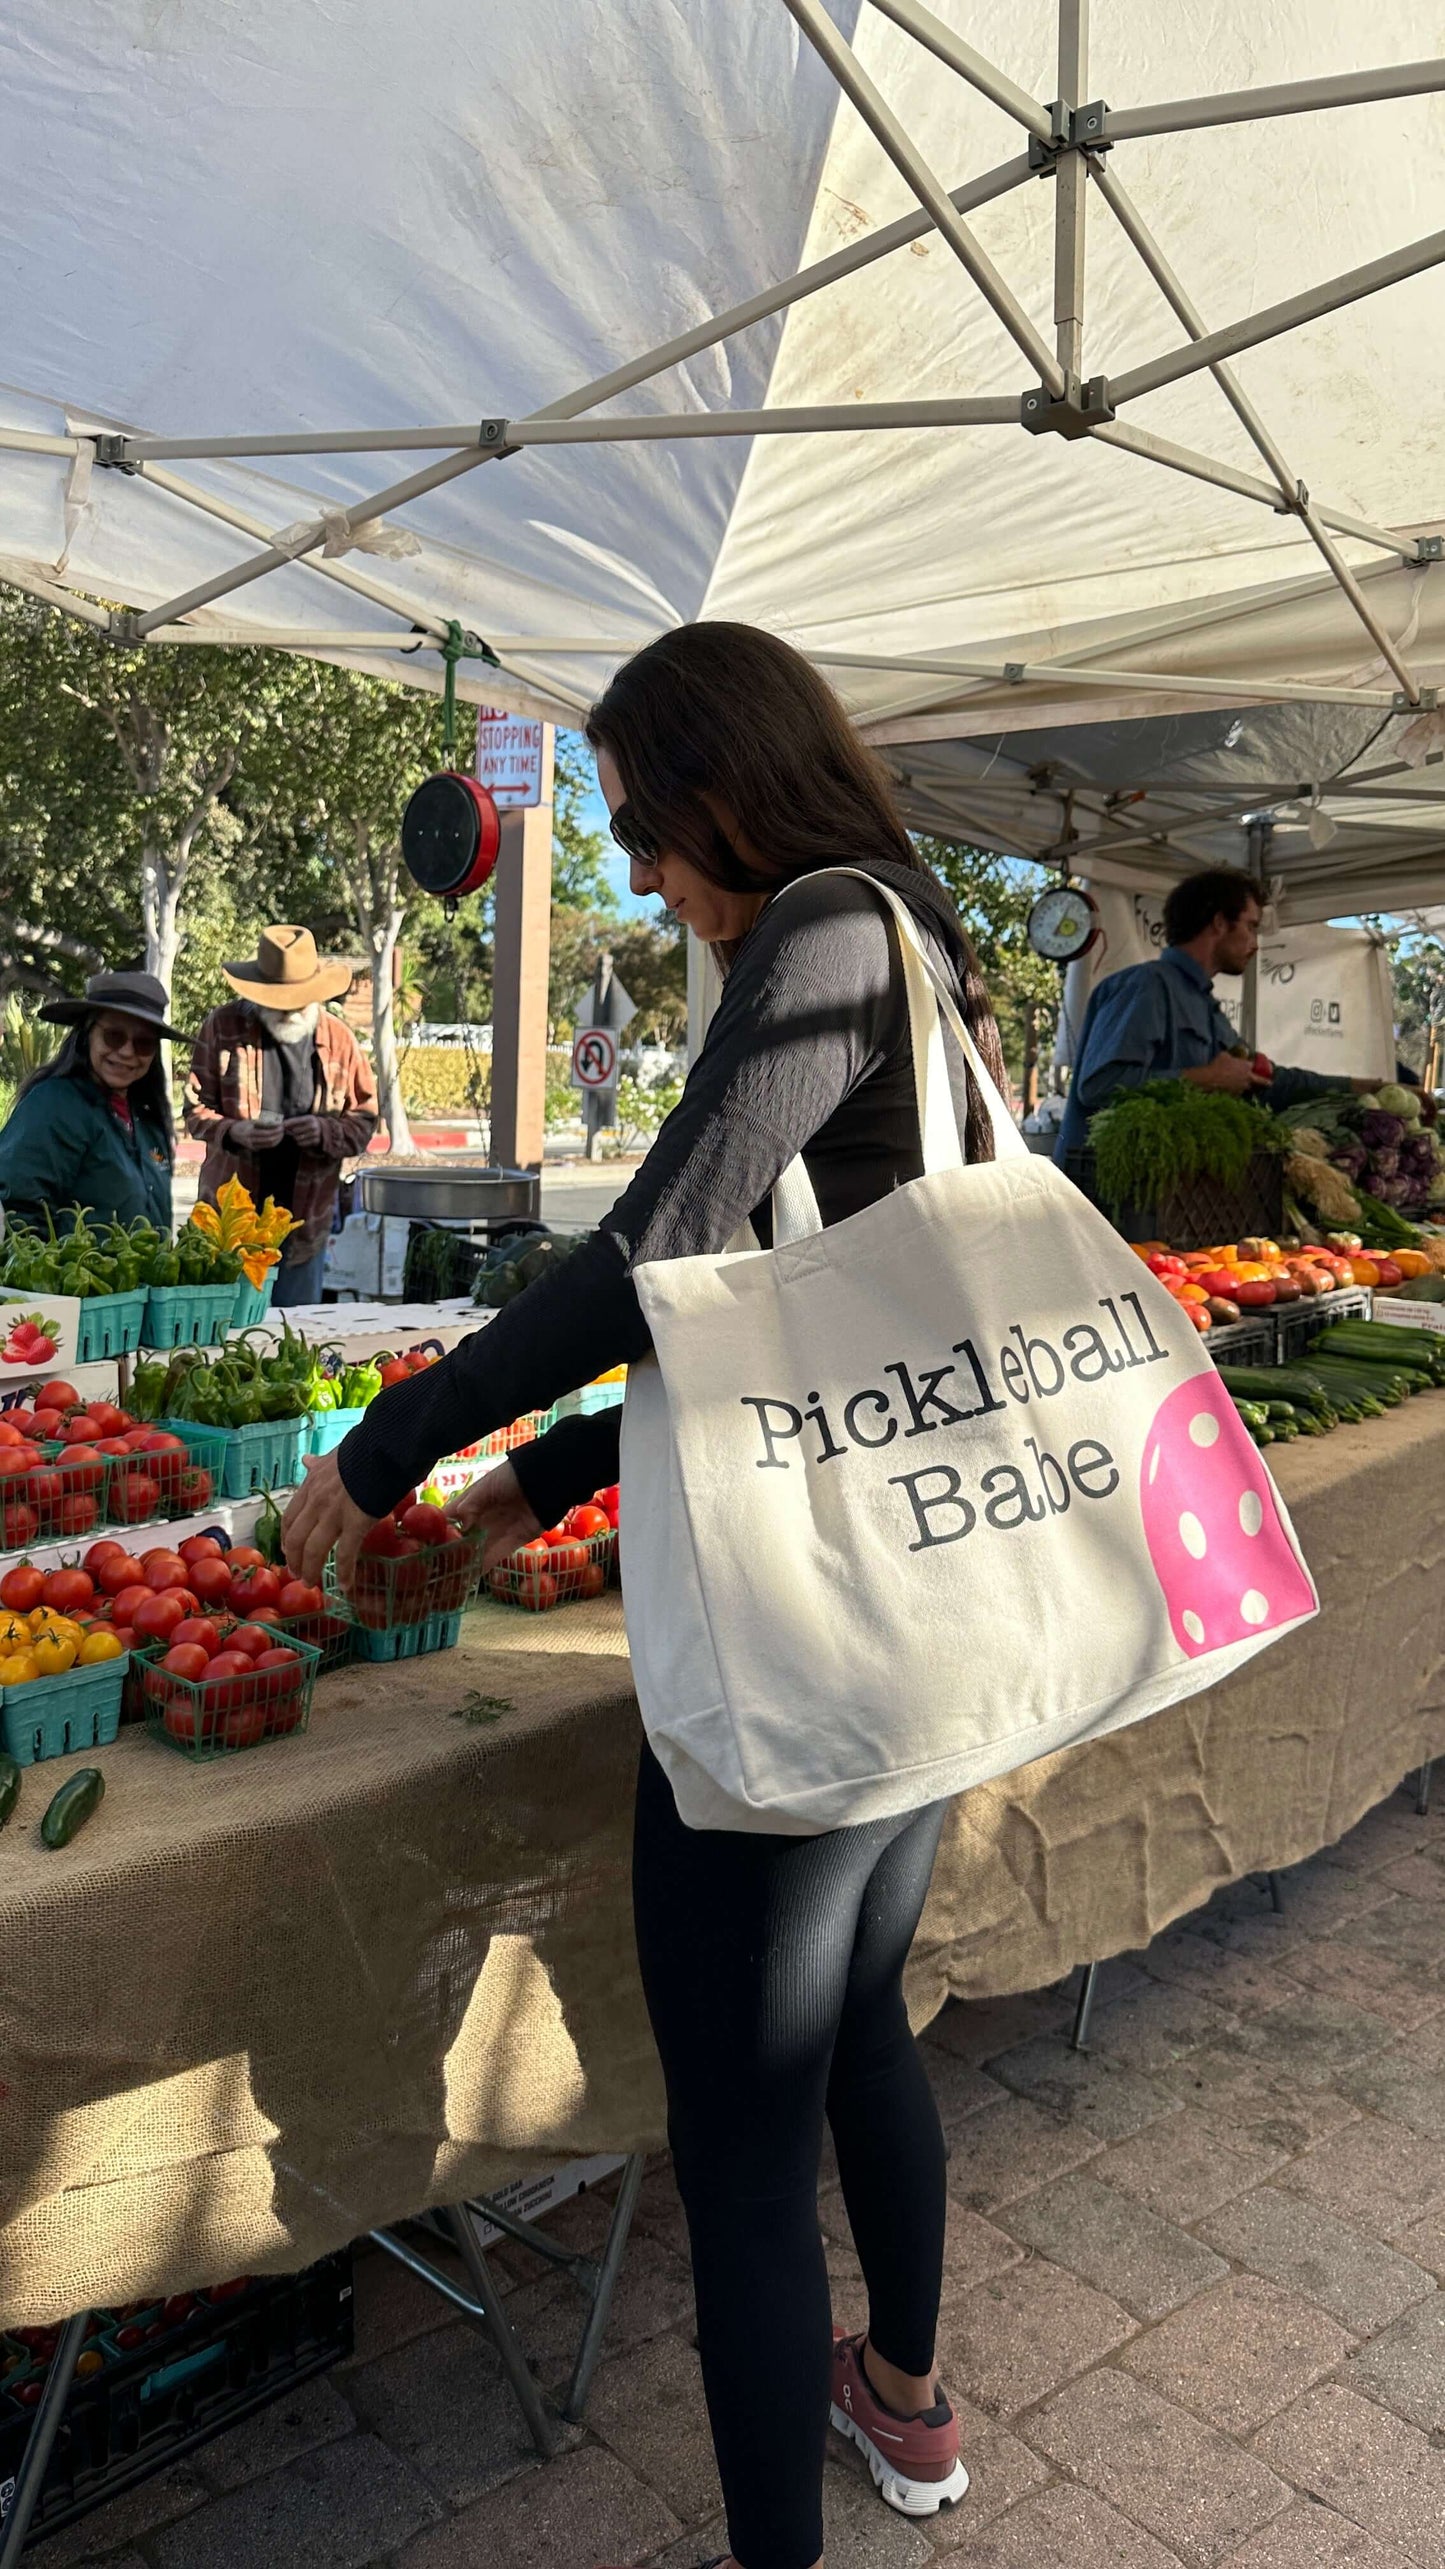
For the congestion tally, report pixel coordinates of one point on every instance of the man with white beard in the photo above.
(281, 1094)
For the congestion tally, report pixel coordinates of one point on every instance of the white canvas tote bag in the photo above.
(909, 1501)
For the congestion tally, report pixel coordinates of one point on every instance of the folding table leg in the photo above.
(1276, 1893)
(1422, 1788)
(514, 2364)
(602, 2290)
(1085, 2007)
(41, 2440)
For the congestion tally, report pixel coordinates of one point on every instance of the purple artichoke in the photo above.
(1381, 1132)
(1383, 1164)
(1389, 1190)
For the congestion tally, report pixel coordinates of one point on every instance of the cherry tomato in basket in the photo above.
(609, 1501)
(179, 1715)
(187, 1659)
(201, 1547)
(20, 1524)
(126, 1602)
(120, 1569)
(593, 1580)
(157, 1616)
(77, 1513)
(424, 1523)
(210, 1579)
(249, 1639)
(586, 1521)
(297, 1598)
(197, 1631)
(525, 1583)
(244, 1725)
(21, 1589)
(255, 1587)
(244, 1556)
(106, 1549)
(568, 1557)
(194, 1491)
(162, 1570)
(385, 1542)
(65, 1589)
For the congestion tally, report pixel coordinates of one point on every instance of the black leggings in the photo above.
(773, 1972)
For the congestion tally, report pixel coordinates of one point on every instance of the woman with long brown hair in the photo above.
(772, 1964)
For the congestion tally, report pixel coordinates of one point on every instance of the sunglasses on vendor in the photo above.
(120, 1035)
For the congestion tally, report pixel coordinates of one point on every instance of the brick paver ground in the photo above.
(1192, 2313)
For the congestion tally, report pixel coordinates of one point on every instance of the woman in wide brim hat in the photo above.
(92, 1127)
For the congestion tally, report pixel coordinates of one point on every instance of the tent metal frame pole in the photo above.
(1136, 230)
(1278, 318)
(1071, 190)
(656, 361)
(1288, 98)
(984, 76)
(69, 601)
(996, 410)
(359, 582)
(1292, 489)
(318, 638)
(30, 441)
(1018, 673)
(362, 513)
(1174, 625)
(853, 80)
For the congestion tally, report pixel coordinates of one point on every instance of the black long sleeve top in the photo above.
(809, 1051)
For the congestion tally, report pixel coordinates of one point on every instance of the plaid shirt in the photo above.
(224, 1088)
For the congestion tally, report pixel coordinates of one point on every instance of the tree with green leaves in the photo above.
(994, 895)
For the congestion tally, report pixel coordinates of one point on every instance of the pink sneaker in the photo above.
(914, 2460)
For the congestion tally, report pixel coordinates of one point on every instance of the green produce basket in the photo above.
(110, 1324)
(410, 1640)
(332, 1630)
(243, 1460)
(423, 1587)
(55, 1716)
(187, 1315)
(253, 1301)
(205, 1721)
(328, 1428)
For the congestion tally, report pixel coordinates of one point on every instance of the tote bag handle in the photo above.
(931, 1007)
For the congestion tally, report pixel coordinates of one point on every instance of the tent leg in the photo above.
(1422, 1788)
(1080, 2037)
(520, 955)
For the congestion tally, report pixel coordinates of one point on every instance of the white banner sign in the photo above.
(509, 758)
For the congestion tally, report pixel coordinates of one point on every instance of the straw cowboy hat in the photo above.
(130, 994)
(287, 972)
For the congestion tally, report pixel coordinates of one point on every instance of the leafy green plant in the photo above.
(24, 1045)
(641, 1112)
(1156, 1138)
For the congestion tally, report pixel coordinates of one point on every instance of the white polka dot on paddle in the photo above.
(1193, 1536)
(1154, 1465)
(1253, 1606)
(1193, 1626)
(1251, 1512)
(1204, 1430)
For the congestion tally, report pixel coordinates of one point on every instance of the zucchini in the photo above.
(9, 1788)
(79, 1797)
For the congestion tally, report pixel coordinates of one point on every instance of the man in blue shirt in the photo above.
(1161, 1020)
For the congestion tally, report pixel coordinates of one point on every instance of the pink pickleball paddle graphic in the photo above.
(1223, 1559)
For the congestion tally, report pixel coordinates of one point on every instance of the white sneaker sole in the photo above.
(907, 2497)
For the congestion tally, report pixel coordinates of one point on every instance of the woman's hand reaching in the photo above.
(498, 1504)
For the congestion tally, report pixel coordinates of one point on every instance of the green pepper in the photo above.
(165, 1268)
(360, 1384)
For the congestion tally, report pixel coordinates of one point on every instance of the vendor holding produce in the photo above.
(92, 1127)
(281, 1094)
(1161, 1020)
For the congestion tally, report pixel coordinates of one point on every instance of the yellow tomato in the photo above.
(14, 1632)
(1251, 1270)
(45, 1619)
(97, 1646)
(55, 1652)
(19, 1668)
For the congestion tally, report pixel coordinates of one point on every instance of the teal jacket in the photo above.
(64, 1145)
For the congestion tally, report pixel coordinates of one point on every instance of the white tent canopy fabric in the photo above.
(446, 248)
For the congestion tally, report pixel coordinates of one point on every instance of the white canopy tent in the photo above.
(589, 322)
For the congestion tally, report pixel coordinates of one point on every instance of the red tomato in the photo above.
(194, 1490)
(124, 1635)
(115, 1448)
(164, 1570)
(57, 1395)
(609, 1501)
(395, 1370)
(10, 1435)
(186, 1659)
(134, 1498)
(244, 1725)
(210, 1578)
(77, 1513)
(569, 1556)
(66, 1588)
(157, 1615)
(229, 1662)
(198, 1632)
(425, 1523)
(385, 1542)
(244, 1556)
(119, 1570)
(201, 1547)
(178, 1712)
(523, 1582)
(21, 1419)
(255, 1588)
(251, 1638)
(586, 1521)
(109, 1421)
(21, 1588)
(79, 1429)
(19, 1524)
(592, 1581)
(14, 1460)
(48, 1423)
(125, 1603)
(297, 1599)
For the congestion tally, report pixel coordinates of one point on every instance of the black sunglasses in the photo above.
(633, 836)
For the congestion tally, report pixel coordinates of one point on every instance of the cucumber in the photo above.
(79, 1797)
(9, 1788)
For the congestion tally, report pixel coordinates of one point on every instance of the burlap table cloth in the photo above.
(264, 2005)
